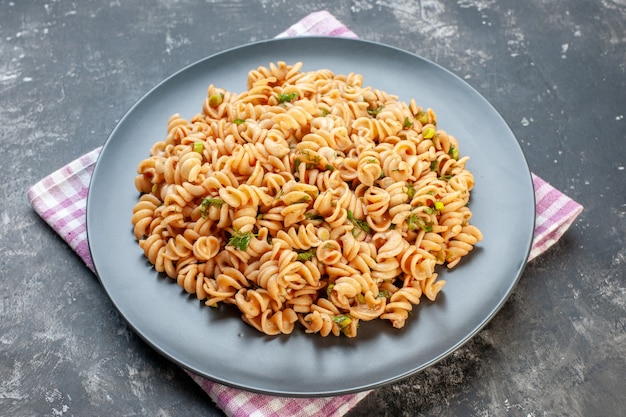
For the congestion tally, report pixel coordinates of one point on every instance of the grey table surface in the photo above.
(554, 69)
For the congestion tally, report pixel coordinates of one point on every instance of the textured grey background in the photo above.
(554, 69)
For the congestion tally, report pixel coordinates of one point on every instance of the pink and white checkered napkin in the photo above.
(60, 199)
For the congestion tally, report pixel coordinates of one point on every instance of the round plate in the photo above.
(215, 343)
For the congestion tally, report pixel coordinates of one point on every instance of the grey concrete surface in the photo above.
(554, 69)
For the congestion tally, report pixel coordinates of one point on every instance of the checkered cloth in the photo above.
(60, 199)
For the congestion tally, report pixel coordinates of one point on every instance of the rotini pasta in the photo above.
(307, 199)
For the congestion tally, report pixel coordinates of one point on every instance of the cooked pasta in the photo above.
(306, 200)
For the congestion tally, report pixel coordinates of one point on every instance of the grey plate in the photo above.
(216, 343)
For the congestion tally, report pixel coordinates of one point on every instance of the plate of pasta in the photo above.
(275, 216)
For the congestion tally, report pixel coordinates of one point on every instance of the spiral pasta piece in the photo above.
(401, 304)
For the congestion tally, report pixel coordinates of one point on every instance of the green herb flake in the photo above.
(306, 255)
(376, 111)
(410, 190)
(312, 215)
(216, 99)
(361, 224)
(428, 132)
(407, 123)
(422, 117)
(296, 164)
(414, 222)
(198, 147)
(330, 167)
(384, 294)
(240, 240)
(210, 202)
(343, 320)
(411, 222)
(279, 195)
(329, 289)
(454, 153)
(239, 121)
(287, 98)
